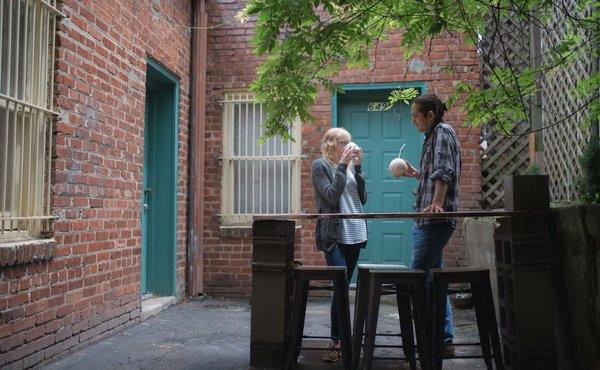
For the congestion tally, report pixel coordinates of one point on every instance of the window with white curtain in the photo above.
(27, 33)
(258, 179)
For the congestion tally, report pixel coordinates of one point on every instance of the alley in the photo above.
(214, 334)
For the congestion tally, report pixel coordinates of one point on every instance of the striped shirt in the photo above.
(440, 161)
(352, 231)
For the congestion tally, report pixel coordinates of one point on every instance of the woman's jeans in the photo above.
(341, 255)
(429, 242)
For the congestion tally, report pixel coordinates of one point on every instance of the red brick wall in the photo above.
(92, 286)
(231, 65)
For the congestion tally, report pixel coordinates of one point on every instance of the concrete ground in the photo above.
(215, 334)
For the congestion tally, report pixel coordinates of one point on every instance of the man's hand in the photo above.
(411, 171)
(435, 208)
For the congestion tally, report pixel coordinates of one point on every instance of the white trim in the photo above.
(26, 106)
(256, 180)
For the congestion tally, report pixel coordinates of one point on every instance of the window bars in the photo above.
(27, 34)
(257, 178)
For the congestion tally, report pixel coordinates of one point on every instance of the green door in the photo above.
(159, 207)
(381, 133)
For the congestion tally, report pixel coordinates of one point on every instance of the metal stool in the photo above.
(302, 277)
(409, 287)
(479, 279)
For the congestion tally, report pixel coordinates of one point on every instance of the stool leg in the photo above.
(295, 339)
(439, 319)
(362, 291)
(495, 337)
(341, 287)
(483, 326)
(406, 326)
(372, 315)
(422, 328)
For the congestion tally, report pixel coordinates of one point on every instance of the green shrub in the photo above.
(590, 180)
(533, 169)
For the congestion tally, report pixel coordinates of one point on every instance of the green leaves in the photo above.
(589, 184)
(402, 95)
(307, 42)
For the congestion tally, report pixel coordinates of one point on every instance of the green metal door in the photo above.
(159, 202)
(381, 133)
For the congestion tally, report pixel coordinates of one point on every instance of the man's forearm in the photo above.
(440, 193)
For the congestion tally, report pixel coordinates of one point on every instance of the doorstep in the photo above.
(152, 305)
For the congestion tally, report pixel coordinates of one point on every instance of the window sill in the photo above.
(26, 251)
(240, 231)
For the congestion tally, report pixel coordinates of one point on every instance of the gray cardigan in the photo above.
(327, 193)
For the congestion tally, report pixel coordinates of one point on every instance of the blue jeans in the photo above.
(429, 242)
(341, 255)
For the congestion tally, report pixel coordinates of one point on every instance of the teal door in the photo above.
(381, 133)
(159, 196)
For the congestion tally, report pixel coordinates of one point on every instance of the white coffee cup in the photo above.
(397, 167)
(353, 145)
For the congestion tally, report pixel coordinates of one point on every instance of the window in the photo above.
(257, 178)
(26, 79)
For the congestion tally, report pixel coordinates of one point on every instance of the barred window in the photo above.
(257, 178)
(26, 114)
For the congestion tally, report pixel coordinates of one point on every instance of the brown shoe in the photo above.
(333, 356)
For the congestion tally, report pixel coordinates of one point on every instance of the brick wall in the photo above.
(231, 65)
(91, 288)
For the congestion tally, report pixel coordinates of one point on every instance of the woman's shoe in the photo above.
(333, 356)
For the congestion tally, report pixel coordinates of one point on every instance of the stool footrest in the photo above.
(389, 358)
(315, 287)
(388, 346)
(315, 337)
(312, 348)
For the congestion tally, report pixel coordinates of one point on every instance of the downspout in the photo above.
(196, 145)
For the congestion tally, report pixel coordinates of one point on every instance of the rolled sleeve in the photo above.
(443, 158)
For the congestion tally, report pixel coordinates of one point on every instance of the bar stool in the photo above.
(302, 277)
(479, 279)
(409, 287)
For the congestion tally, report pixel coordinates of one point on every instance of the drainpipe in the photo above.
(195, 247)
(536, 139)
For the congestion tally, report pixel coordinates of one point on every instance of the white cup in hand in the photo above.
(353, 146)
(397, 167)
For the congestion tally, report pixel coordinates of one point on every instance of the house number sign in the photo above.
(377, 106)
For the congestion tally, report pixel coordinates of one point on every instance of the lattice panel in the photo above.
(564, 142)
(506, 41)
(503, 156)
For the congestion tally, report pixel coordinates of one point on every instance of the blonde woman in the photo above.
(339, 188)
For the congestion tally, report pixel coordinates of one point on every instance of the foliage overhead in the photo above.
(307, 41)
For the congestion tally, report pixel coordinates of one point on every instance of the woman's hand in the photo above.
(358, 154)
(411, 171)
(347, 155)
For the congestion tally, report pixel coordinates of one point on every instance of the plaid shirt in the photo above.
(440, 161)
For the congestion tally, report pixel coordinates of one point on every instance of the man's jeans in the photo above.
(429, 242)
(341, 255)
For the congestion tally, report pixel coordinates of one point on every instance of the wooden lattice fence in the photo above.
(564, 142)
(506, 41)
(509, 40)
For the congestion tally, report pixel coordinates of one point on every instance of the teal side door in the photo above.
(159, 196)
(381, 133)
